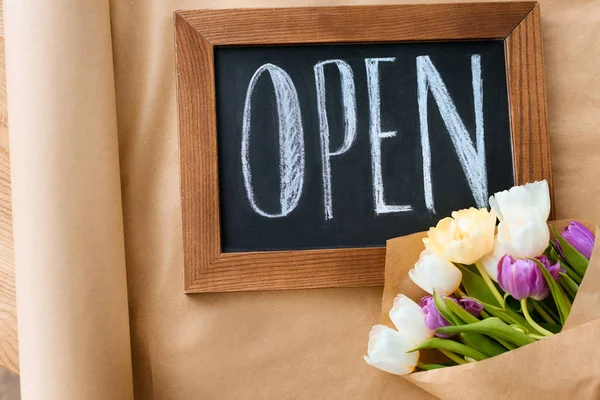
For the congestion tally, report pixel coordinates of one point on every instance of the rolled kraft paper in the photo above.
(564, 365)
(68, 231)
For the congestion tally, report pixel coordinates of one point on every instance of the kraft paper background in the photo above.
(267, 345)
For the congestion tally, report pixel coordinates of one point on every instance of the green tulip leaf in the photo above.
(555, 257)
(509, 316)
(493, 327)
(460, 312)
(475, 340)
(568, 284)
(563, 304)
(574, 258)
(443, 309)
(476, 287)
(452, 346)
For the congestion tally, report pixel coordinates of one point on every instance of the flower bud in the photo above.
(580, 237)
(408, 318)
(388, 351)
(464, 238)
(523, 278)
(433, 272)
(523, 213)
(433, 318)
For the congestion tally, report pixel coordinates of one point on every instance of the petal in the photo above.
(490, 261)
(535, 195)
(409, 319)
(388, 351)
(415, 277)
(540, 197)
(524, 233)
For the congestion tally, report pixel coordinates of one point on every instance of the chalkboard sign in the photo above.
(303, 150)
(350, 145)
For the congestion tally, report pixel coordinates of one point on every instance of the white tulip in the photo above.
(490, 260)
(433, 272)
(534, 194)
(523, 213)
(388, 351)
(524, 233)
(409, 318)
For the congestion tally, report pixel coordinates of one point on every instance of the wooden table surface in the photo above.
(8, 313)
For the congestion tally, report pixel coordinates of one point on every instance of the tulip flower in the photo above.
(580, 237)
(435, 320)
(464, 238)
(523, 279)
(433, 272)
(490, 260)
(523, 213)
(388, 351)
(409, 318)
(536, 195)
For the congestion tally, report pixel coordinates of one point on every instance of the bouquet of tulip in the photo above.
(480, 291)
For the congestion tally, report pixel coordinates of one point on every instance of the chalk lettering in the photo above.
(349, 104)
(472, 160)
(376, 136)
(291, 141)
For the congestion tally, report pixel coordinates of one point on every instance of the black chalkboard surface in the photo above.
(329, 146)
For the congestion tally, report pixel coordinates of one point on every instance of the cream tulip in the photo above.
(388, 351)
(433, 272)
(490, 260)
(464, 238)
(409, 318)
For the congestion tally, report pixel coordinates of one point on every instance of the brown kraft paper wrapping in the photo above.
(566, 365)
(68, 229)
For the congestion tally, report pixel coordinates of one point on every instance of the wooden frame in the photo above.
(206, 268)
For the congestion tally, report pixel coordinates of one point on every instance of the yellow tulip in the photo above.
(464, 238)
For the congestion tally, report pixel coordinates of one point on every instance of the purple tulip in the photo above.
(434, 320)
(471, 306)
(523, 279)
(579, 237)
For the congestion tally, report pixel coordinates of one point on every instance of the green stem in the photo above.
(489, 283)
(453, 357)
(460, 294)
(571, 272)
(550, 311)
(536, 337)
(531, 321)
(484, 314)
(543, 313)
(506, 344)
(429, 367)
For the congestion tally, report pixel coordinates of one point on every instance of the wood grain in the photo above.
(206, 269)
(358, 23)
(8, 312)
(527, 101)
(9, 357)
